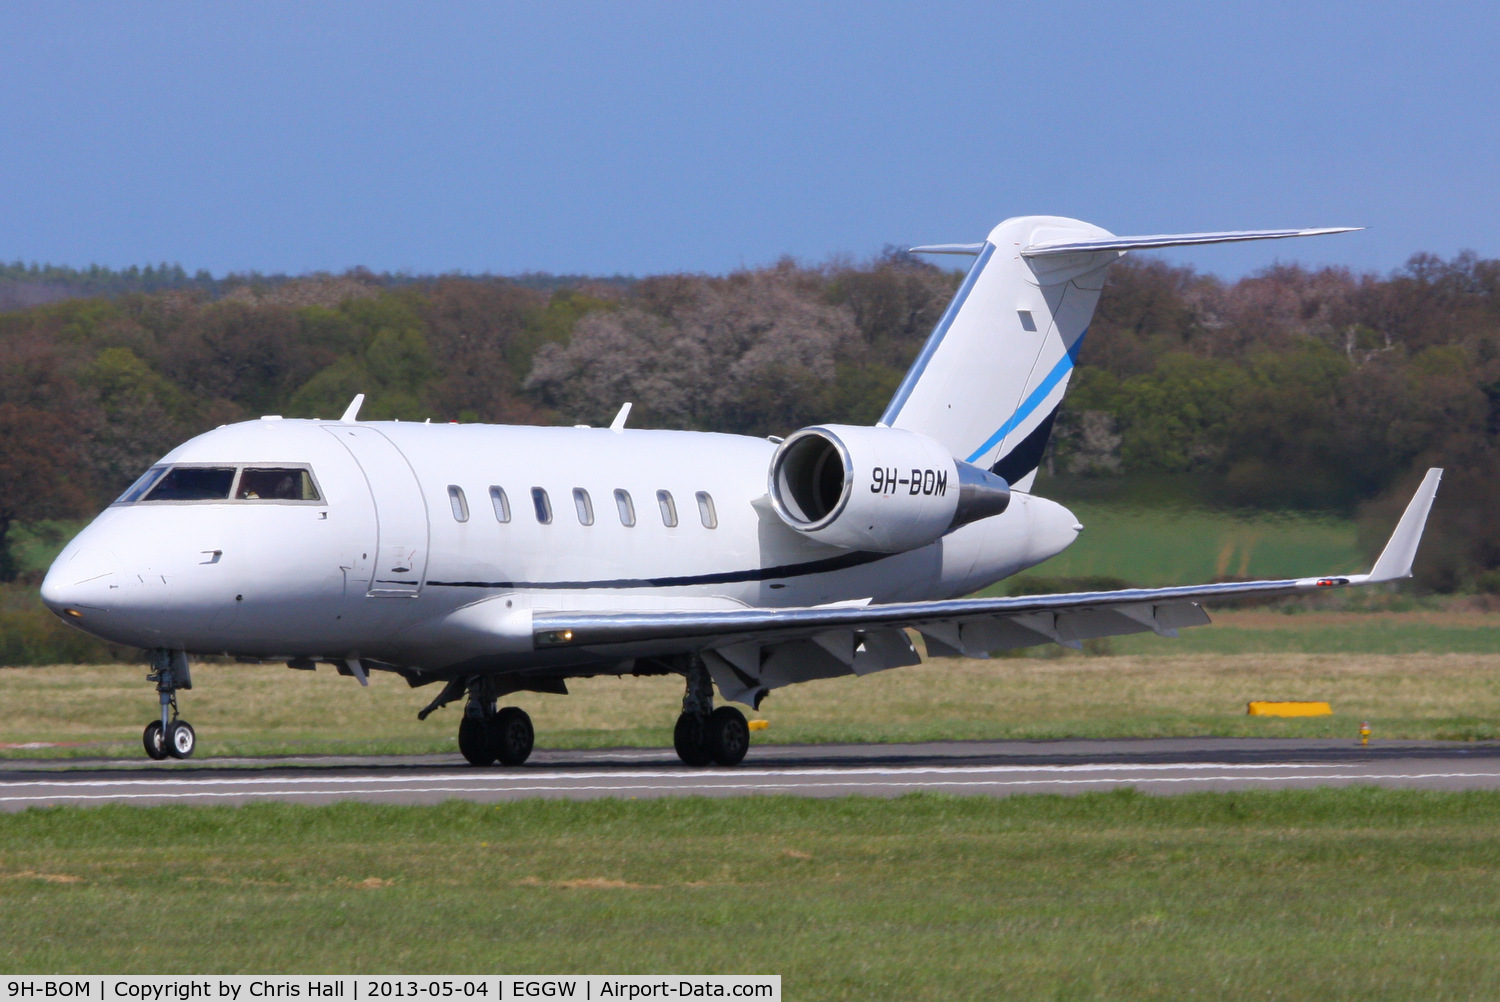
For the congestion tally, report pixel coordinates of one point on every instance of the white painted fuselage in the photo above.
(388, 565)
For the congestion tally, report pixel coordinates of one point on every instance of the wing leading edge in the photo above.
(751, 651)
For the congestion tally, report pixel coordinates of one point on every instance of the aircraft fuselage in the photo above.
(426, 544)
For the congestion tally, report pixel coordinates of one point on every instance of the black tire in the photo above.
(151, 737)
(474, 741)
(727, 736)
(513, 736)
(181, 739)
(687, 738)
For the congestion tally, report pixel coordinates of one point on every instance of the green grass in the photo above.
(265, 710)
(1333, 894)
(1170, 546)
(1352, 634)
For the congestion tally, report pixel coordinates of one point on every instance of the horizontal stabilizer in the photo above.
(1163, 240)
(947, 249)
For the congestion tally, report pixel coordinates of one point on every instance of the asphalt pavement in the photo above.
(990, 768)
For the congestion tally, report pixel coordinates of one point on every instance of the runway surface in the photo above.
(993, 768)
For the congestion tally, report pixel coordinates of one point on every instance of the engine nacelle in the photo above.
(881, 489)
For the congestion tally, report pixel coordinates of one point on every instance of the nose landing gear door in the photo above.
(400, 564)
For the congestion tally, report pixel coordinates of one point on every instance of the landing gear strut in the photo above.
(486, 734)
(704, 735)
(169, 736)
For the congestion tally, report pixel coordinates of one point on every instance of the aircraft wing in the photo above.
(751, 651)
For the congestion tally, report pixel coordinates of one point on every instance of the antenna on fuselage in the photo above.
(351, 414)
(618, 424)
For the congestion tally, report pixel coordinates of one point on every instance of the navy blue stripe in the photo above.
(838, 563)
(914, 374)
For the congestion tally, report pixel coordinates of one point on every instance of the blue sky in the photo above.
(648, 137)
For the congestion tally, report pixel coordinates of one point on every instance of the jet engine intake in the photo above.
(880, 489)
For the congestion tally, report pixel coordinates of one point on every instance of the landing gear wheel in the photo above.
(151, 738)
(687, 738)
(474, 741)
(726, 736)
(180, 739)
(513, 736)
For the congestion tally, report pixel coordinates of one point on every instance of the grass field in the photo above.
(1168, 546)
(1337, 894)
(1168, 690)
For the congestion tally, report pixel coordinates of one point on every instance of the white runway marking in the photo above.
(519, 775)
(171, 787)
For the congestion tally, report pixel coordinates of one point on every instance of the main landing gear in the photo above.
(169, 736)
(705, 735)
(487, 735)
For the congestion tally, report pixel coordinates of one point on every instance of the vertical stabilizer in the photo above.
(990, 379)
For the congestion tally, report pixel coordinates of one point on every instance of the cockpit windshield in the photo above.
(193, 483)
(275, 483)
(201, 482)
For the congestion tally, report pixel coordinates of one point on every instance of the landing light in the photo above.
(555, 637)
(74, 613)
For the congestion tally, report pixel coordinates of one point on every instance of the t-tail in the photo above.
(990, 380)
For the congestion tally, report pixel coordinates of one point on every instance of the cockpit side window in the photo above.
(276, 483)
(142, 485)
(193, 483)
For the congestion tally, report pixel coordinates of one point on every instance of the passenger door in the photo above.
(400, 512)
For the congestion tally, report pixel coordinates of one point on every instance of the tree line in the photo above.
(1289, 388)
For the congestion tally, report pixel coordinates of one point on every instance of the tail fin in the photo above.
(991, 377)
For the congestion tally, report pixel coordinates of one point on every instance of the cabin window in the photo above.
(458, 503)
(668, 508)
(584, 505)
(626, 507)
(542, 504)
(706, 510)
(276, 483)
(193, 483)
(501, 504)
(142, 484)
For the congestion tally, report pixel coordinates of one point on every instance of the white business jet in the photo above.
(489, 560)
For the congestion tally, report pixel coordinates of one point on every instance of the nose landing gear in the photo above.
(705, 735)
(169, 736)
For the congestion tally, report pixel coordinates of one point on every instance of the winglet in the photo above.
(618, 424)
(1395, 560)
(351, 413)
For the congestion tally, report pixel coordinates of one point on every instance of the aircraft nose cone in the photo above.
(80, 579)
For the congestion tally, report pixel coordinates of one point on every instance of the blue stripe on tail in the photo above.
(1033, 399)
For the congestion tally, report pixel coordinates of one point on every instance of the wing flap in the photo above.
(880, 650)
